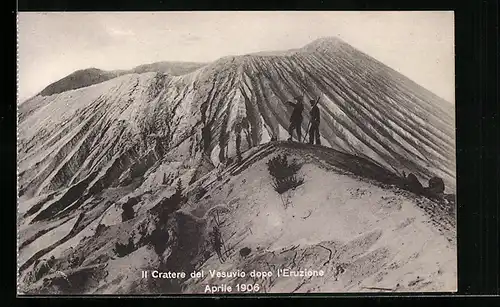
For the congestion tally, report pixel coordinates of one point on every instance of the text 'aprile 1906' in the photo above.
(229, 285)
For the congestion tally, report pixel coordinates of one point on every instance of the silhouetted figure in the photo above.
(296, 119)
(217, 242)
(315, 120)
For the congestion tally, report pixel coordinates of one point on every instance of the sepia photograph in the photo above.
(231, 152)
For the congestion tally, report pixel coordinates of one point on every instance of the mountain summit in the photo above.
(86, 153)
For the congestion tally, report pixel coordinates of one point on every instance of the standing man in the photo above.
(315, 119)
(296, 119)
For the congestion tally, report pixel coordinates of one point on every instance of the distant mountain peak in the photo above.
(327, 40)
(322, 43)
(90, 69)
(78, 79)
(90, 76)
(328, 43)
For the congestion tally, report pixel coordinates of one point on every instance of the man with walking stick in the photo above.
(314, 124)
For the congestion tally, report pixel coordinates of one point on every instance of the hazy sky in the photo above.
(420, 45)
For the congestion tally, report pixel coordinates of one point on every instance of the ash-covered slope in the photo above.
(233, 104)
(374, 236)
(85, 153)
(349, 217)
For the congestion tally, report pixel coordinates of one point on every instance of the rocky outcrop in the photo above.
(436, 185)
(414, 184)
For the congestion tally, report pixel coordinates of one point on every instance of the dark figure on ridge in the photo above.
(315, 120)
(296, 119)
